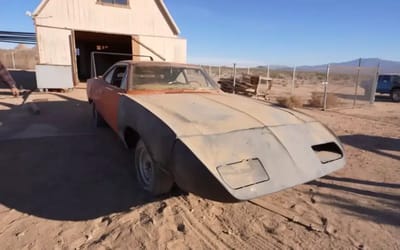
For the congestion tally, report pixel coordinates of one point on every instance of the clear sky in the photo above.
(260, 32)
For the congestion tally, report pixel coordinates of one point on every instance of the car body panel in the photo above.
(213, 113)
(222, 146)
(284, 151)
(106, 98)
(388, 82)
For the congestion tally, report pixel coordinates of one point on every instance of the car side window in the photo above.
(124, 81)
(117, 76)
(109, 75)
(396, 80)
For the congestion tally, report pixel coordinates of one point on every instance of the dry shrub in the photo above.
(290, 102)
(317, 100)
(24, 57)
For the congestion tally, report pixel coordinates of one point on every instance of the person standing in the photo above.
(6, 78)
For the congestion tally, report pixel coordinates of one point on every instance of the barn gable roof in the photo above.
(160, 3)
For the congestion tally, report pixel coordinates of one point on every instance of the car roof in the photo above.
(152, 63)
(390, 74)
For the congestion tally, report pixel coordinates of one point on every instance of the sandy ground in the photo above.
(66, 185)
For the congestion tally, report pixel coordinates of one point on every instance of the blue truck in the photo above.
(389, 84)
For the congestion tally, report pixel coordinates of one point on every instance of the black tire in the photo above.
(97, 118)
(395, 95)
(149, 175)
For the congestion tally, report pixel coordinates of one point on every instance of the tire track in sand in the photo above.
(206, 234)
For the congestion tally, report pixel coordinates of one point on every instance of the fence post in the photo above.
(357, 80)
(374, 84)
(248, 70)
(268, 71)
(234, 77)
(13, 59)
(293, 80)
(326, 87)
(209, 70)
(219, 72)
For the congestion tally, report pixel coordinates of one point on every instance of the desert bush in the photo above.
(290, 102)
(317, 100)
(320, 76)
(24, 57)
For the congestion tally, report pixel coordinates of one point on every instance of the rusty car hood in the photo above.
(205, 114)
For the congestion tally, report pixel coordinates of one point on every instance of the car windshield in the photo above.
(170, 78)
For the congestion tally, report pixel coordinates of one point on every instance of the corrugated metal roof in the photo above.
(17, 37)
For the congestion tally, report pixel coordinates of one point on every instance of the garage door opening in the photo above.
(88, 42)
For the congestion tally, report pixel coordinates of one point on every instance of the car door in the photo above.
(384, 84)
(396, 81)
(114, 84)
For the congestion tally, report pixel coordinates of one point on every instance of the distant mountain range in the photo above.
(385, 66)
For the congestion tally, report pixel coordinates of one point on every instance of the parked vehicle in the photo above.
(389, 84)
(183, 129)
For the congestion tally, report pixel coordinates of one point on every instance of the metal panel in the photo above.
(54, 77)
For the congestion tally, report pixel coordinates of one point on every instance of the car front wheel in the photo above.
(395, 94)
(150, 176)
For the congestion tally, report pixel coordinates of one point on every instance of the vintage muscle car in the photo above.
(182, 129)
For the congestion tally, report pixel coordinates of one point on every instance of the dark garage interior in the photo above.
(88, 42)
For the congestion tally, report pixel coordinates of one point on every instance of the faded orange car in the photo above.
(182, 129)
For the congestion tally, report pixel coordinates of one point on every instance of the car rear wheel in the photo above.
(150, 176)
(97, 118)
(395, 95)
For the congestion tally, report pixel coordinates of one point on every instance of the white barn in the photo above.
(68, 31)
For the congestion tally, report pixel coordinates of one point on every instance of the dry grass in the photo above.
(290, 102)
(24, 58)
(317, 100)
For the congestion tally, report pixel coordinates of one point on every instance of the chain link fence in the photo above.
(351, 85)
(330, 87)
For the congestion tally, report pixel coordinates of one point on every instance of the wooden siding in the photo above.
(172, 49)
(54, 46)
(141, 17)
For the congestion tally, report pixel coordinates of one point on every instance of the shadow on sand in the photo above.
(364, 182)
(365, 199)
(377, 206)
(57, 166)
(26, 79)
(375, 144)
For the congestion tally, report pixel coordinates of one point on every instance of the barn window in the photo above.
(113, 2)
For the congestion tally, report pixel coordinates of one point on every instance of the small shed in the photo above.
(68, 32)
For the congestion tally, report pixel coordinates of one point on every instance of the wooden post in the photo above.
(374, 84)
(293, 80)
(13, 59)
(358, 78)
(234, 77)
(326, 87)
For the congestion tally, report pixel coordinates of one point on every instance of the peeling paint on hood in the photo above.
(207, 113)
